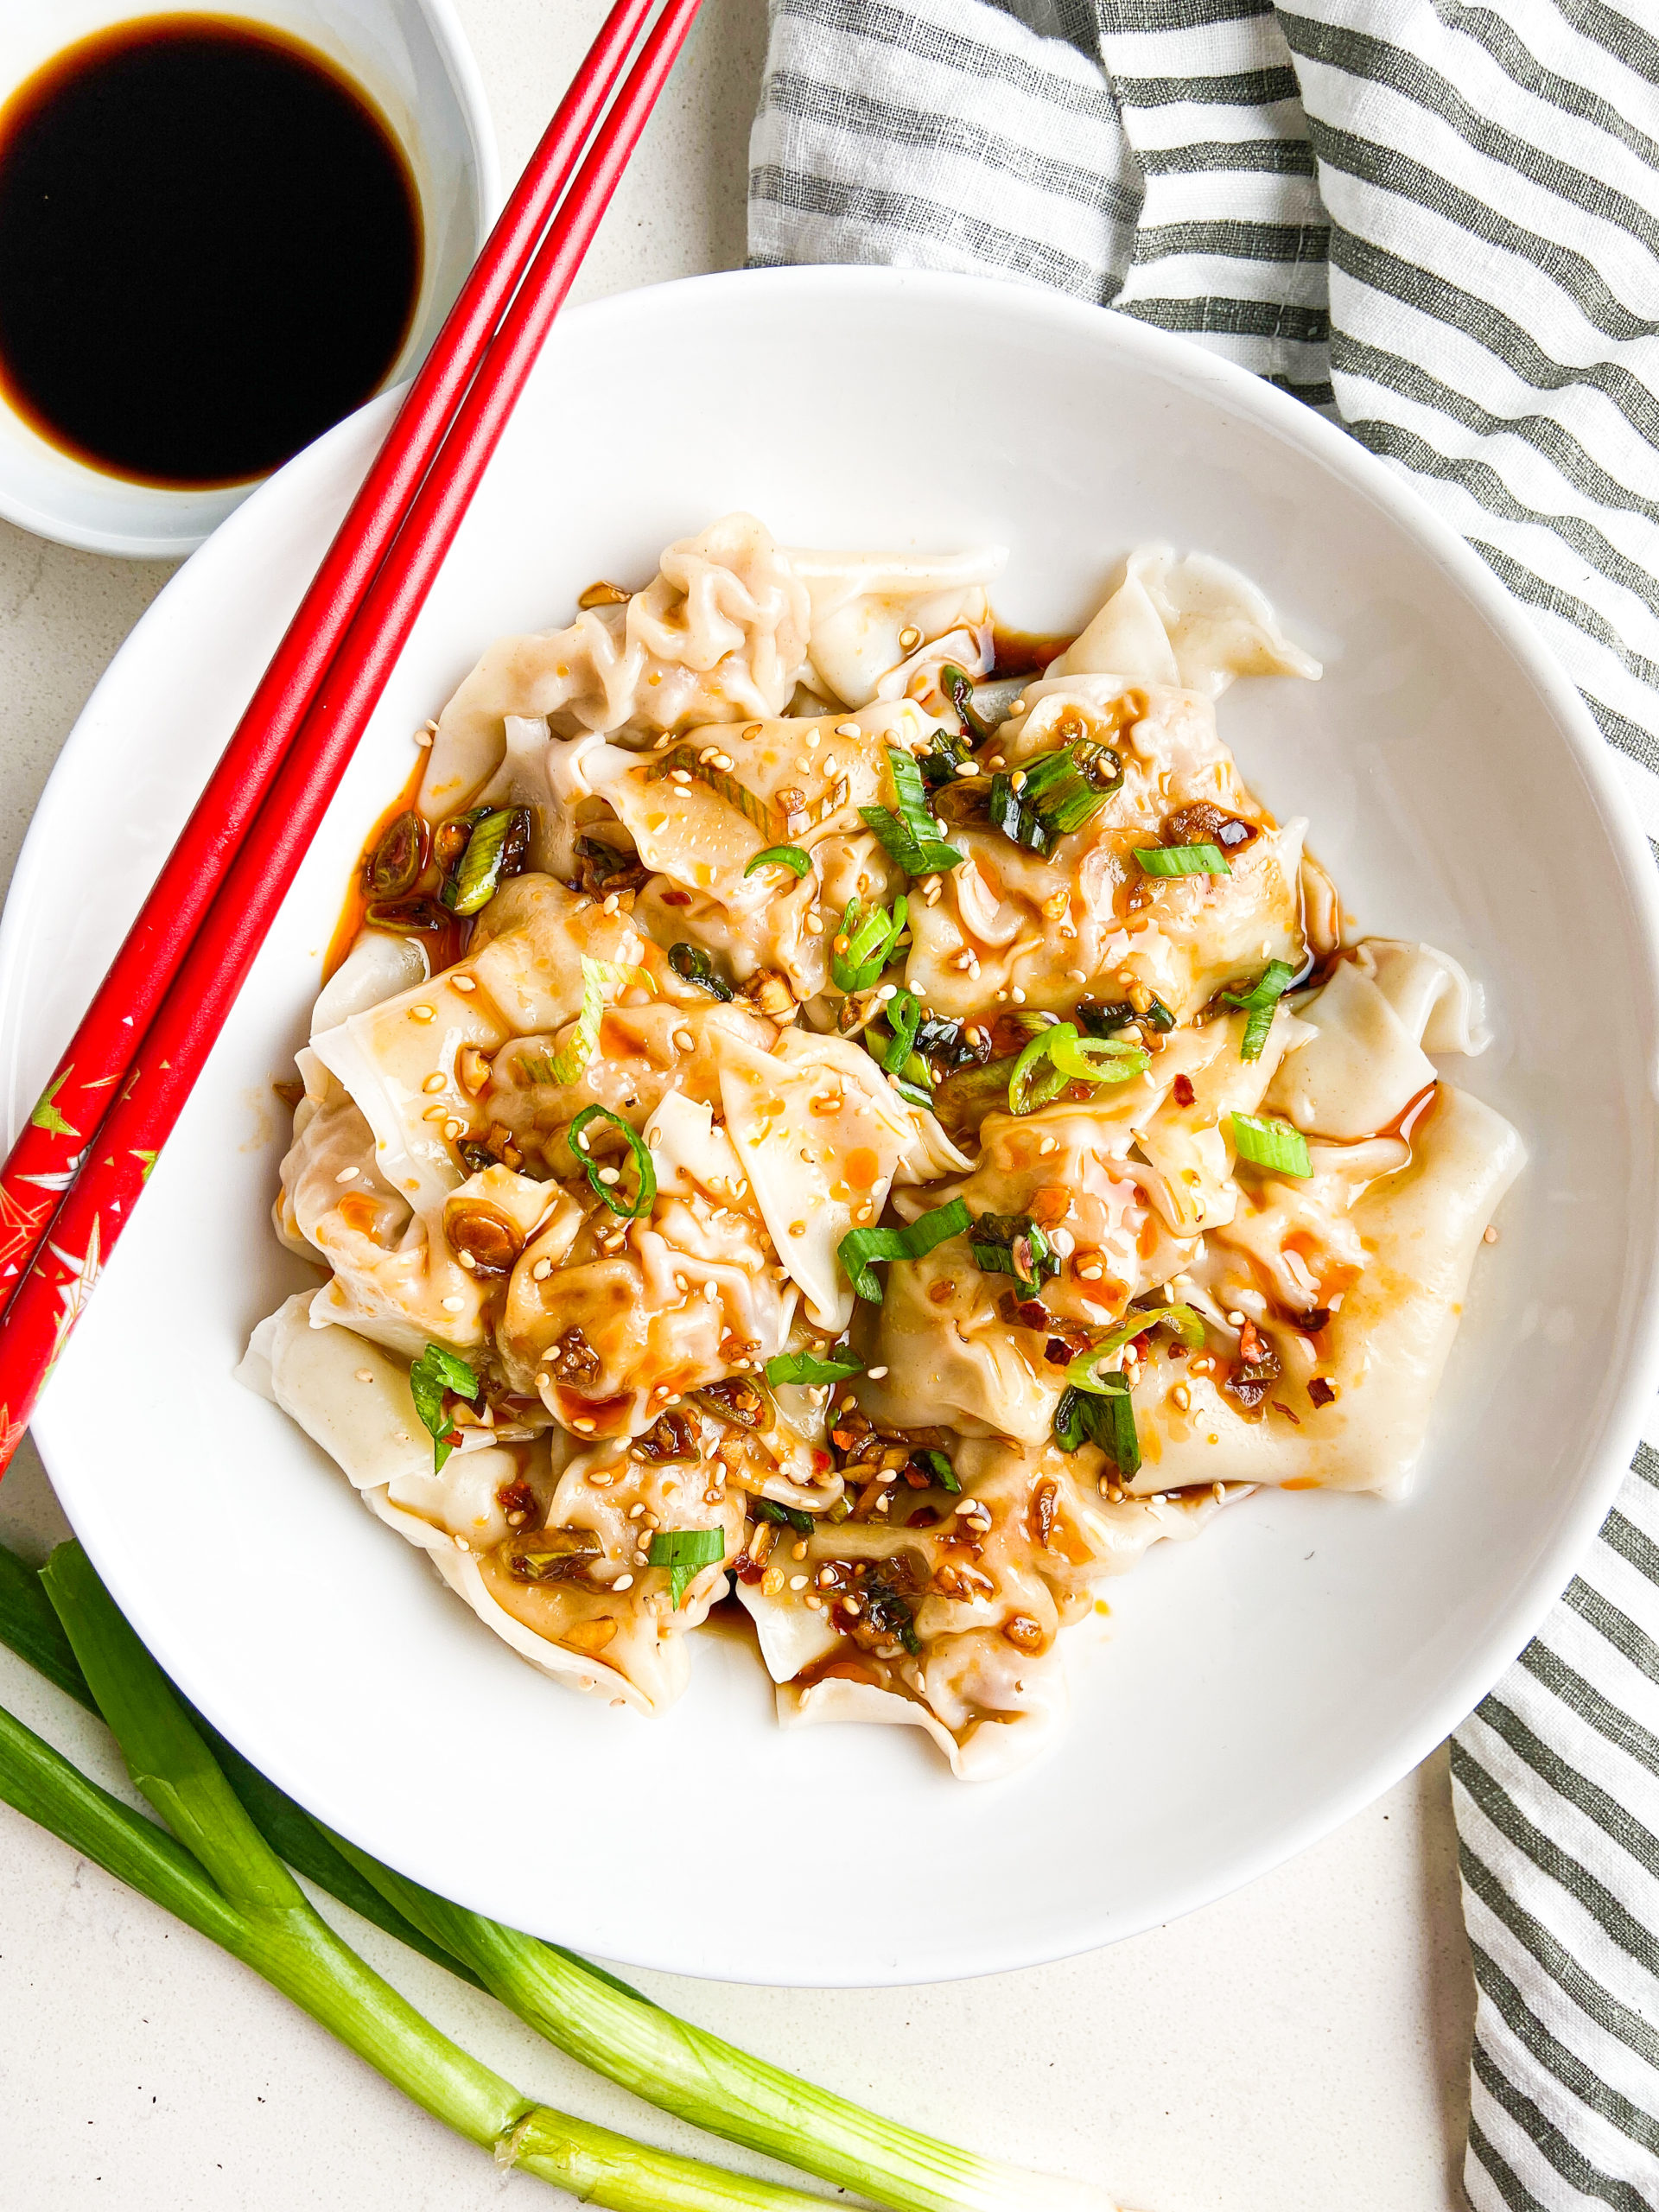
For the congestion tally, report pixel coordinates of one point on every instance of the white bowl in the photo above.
(410, 58)
(1250, 1689)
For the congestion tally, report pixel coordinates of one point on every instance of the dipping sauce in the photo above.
(210, 250)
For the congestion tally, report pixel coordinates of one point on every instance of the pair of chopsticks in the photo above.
(71, 1180)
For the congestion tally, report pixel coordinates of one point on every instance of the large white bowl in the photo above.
(1249, 1690)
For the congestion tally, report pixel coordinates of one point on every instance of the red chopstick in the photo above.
(54, 1294)
(97, 1057)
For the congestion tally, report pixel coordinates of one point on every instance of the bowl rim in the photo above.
(481, 156)
(1604, 1461)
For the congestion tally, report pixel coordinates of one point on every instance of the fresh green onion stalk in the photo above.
(224, 1877)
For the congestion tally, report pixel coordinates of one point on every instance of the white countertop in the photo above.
(1300, 2046)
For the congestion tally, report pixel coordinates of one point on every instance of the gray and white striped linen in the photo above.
(1440, 221)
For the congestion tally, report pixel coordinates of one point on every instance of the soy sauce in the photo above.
(210, 250)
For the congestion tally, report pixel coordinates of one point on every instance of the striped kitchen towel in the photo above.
(1440, 221)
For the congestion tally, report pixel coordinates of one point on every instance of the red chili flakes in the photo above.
(1184, 1093)
(1252, 1345)
(1279, 1407)
(516, 1498)
(1321, 1392)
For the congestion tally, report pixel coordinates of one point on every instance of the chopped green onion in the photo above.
(566, 1065)
(955, 685)
(783, 1516)
(858, 1248)
(692, 965)
(789, 856)
(1182, 859)
(755, 810)
(686, 1552)
(1086, 1373)
(807, 1367)
(903, 1013)
(871, 939)
(496, 849)
(910, 836)
(1056, 793)
(913, 1094)
(1271, 1144)
(1057, 1056)
(435, 1371)
(1104, 1416)
(645, 1194)
(935, 1464)
(1013, 1244)
(1259, 1003)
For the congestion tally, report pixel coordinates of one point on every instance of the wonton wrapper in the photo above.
(1195, 622)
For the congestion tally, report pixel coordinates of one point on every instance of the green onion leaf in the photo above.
(1259, 1003)
(955, 683)
(1086, 1372)
(807, 1367)
(789, 856)
(1057, 793)
(692, 965)
(684, 758)
(935, 1464)
(1105, 1417)
(1057, 1056)
(1271, 1144)
(903, 1013)
(496, 849)
(783, 1516)
(858, 1248)
(685, 1552)
(910, 836)
(1182, 859)
(870, 940)
(1013, 1244)
(613, 1193)
(435, 1371)
(566, 1065)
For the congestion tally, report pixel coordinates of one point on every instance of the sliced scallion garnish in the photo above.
(436, 1371)
(1046, 798)
(958, 689)
(495, 850)
(685, 1552)
(789, 856)
(1258, 1002)
(646, 1192)
(1270, 1144)
(783, 1516)
(1086, 1372)
(1057, 1056)
(807, 1367)
(869, 943)
(1105, 1417)
(903, 1013)
(910, 836)
(692, 965)
(935, 1464)
(1182, 859)
(1013, 1244)
(860, 1248)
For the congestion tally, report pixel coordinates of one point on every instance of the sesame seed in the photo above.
(455, 1131)
(1017, 780)
(346, 1175)
(1018, 708)
(467, 1261)
(847, 729)
(463, 983)
(1018, 995)
(679, 775)
(1489, 1235)
(366, 1374)
(877, 1373)
(798, 1582)
(1048, 1144)
(611, 902)
(623, 1582)
(1076, 976)
(684, 1041)
(542, 1270)
(967, 768)
(798, 1229)
(1182, 1396)
(910, 638)
(435, 1082)
(435, 1114)
(1235, 1320)
(610, 1175)
(542, 1381)
(422, 1013)
(461, 1544)
(423, 738)
(453, 1305)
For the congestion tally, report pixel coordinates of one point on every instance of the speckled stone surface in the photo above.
(1298, 2047)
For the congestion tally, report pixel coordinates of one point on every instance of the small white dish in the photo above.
(1249, 1690)
(411, 60)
